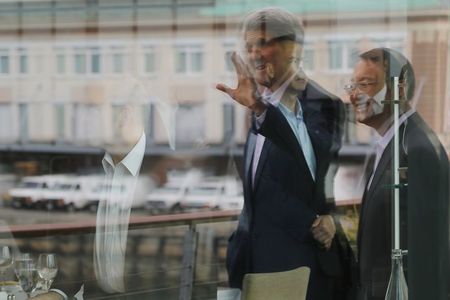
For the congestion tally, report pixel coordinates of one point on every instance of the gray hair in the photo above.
(276, 21)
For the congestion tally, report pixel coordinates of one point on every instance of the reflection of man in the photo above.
(424, 202)
(121, 174)
(285, 222)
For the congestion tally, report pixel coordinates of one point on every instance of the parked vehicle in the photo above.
(167, 199)
(214, 193)
(31, 190)
(71, 193)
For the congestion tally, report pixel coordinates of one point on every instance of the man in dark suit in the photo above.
(423, 201)
(296, 132)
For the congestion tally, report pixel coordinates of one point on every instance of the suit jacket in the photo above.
(273, 232)
(424, 217)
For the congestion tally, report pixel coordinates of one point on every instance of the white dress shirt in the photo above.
(274, 99)
(113, 216)
(383, 141)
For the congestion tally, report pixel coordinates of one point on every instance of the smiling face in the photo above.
(271, 60)
(369, 78)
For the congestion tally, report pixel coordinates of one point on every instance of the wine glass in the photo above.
(6, 261)
(47, 268)
(26, 273)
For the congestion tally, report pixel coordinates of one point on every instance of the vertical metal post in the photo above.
(188, 265)
(396, 166)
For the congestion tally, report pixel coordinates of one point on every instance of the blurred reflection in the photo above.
(424, 198)
(295, 134)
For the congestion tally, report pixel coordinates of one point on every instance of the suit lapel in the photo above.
(248, 158)
(249, 151)
(262, 160)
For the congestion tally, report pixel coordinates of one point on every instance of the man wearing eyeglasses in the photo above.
(424, 192)
(296, 131)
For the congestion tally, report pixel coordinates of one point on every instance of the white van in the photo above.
(214, 193)
(31, 190)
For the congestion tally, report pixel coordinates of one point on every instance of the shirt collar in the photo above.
(384, 140)
(132, 161)
(275, 97)
(286, 111)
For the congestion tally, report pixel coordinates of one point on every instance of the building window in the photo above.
(61, 63)
(342, 55)
(23, 122)
(87, 123)
(23, 62)
(335, 53)
(189, 59)
(6, 120)
(80, 63)
(87, 61)
(228, 123)
(95, 63)
(60, 121)
(4, 62)
(149, 60)
(308, 58)
(190, 128)
(117, 122)
(229, 67)
(118, 63)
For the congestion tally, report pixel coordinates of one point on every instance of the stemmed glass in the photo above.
(6, 261)
(26, 273)
(47, 268)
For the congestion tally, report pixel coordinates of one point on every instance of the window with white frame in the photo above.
(6, 119)
(149, 60)
(229, 48)
(4, 61)
(189, 59)
(118, 60)
(60, 117)
(87, 123)
(308, 57)
(22, 61)
(87, 60)
(60, 63)
(342, 55)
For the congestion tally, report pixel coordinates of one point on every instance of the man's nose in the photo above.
(353, 95)
(254, 52)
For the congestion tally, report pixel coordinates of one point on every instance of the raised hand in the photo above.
(246, 93)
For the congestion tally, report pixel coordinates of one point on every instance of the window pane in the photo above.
(149, 62)
(23, 63)
(180, 62)
(60, 120)
(60, 63)
(80, 63)
(197, 62)
(117, 63)
(228, 63)
(308, 59)
(95, 63)
(335, 56)
(4, 64)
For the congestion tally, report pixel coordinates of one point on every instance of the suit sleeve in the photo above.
(428, 211)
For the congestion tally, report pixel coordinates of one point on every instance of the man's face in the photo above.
(271, 60)
(369, 79)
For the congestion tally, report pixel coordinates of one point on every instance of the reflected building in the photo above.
(67, 68)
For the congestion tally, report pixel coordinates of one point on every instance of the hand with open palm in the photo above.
(246, 93)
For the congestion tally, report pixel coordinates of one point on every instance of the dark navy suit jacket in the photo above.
(424, 212)
(274, 233)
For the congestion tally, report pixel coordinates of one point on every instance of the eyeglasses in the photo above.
(361, 86)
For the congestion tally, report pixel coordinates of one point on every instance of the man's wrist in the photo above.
(258, 107)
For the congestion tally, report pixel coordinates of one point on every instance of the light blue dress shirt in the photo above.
(298, 126)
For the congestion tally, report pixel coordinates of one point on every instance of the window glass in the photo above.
(121, 153)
